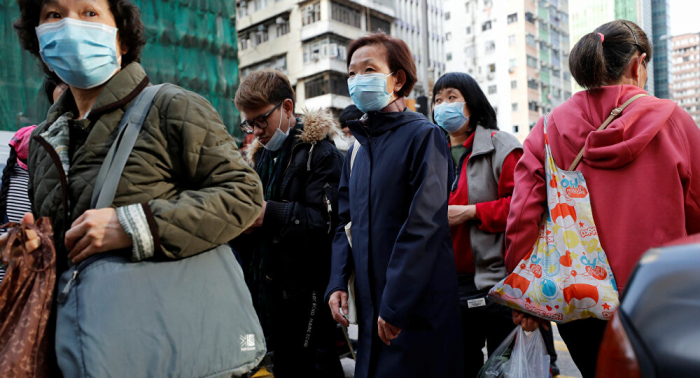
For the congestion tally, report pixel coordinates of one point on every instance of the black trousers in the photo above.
(489, 323)
(303, 338)
(583, 338)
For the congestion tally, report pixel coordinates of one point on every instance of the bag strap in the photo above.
(128, 131)
(355, 148)
(613, 114)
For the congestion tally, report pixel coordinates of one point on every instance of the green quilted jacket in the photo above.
(185, 170)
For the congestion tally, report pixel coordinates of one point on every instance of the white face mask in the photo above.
(277, 140)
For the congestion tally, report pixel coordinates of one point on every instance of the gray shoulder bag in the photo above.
(192, 317)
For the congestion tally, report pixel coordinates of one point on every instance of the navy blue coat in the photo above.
(402, 252)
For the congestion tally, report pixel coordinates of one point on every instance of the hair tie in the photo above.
(602, 37)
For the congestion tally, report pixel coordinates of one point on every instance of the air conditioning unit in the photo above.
(511, 69)
(315, 56)
(279, 21)
(490, 76)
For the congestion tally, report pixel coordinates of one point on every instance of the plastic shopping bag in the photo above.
(521, 355)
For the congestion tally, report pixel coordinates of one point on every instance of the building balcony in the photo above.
(382, 6)
(318, 28)
(272, 10)
(327, 101)
(322, 65)
(264, 51)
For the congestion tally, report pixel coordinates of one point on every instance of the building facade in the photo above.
(517, 50)
(661, 29)
(651, 15)
(308, 40)
(686, 73)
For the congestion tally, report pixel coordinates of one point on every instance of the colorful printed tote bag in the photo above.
(566, 276)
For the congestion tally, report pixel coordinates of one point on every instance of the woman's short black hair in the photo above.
(126, 15)
(482, 112)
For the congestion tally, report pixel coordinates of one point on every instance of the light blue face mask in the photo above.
(277, 140)
(450, 116)
(368, 92)
(83, 54)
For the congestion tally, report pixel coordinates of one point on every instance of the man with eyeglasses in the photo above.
(286, 252)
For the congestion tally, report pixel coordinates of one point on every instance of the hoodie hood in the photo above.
(314, 126)
(575, 124)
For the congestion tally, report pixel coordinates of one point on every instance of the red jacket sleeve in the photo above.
(529, 199)
(692, 178)
(494, 214)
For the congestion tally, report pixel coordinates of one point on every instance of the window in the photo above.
(448, 36)
(567, 94)
(532, 125)
(533, 84)
(567, 76)
(345, 14)
(326, 83)
(469, 29)
(511, 40)
(325, 47)
(492, 89)
(532, 105)
(486, 26)
(377, 24)
(514, 106)
(447, 15)
(516, 129)
(490, 46)
(529, 17)
(530, 39)
(531, 61)
(492, 67)
(449, 56)
(311, 14)
(469, 51)
(514, 84)
(512, 18)
(511, 64)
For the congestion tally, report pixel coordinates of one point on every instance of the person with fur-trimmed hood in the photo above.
(286, 252)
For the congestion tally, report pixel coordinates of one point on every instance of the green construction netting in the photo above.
(191, 43)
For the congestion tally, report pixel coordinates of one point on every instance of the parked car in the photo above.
(656, 330)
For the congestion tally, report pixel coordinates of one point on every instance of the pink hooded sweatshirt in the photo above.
(642, 171)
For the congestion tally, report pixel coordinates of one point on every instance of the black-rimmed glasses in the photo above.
(260, 121)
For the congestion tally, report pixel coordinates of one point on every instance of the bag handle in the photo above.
(113, 165)
(613, 114)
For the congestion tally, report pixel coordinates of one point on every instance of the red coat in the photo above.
(643, 174)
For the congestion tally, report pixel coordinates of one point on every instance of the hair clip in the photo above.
(602, 37)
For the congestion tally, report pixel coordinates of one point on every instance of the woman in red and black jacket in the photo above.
(484, 161)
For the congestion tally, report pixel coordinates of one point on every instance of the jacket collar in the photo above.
(119, 91)
(377, 123)
(483, 144)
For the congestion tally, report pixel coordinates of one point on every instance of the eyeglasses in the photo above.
(260, 121)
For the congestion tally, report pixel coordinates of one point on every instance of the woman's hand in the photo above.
(458, 214)
(529, 322)
(259, 221)
(96, 231)
(387, 332)
(338, 301)
(30, 245)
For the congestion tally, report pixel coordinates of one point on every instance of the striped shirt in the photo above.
(17, 199)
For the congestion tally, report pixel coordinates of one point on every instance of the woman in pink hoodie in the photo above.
(642, 171)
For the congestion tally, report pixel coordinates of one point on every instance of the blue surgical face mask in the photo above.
(277, 140)
(450, 116)
(368, 92)
(83, 54)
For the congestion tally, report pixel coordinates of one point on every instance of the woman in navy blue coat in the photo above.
(396, 199)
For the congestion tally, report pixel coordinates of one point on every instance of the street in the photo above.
(564, 361)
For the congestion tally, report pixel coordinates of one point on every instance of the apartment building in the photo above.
(686, 73)
(307, 40)
(517, 50)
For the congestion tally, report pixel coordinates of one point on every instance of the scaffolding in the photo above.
(191, 43)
